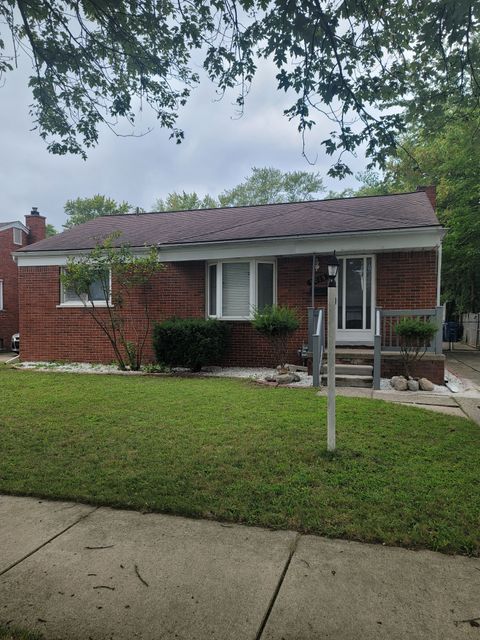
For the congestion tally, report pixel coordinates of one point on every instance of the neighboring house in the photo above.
(14, 236)
(223, 263)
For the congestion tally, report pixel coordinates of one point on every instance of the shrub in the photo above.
(190, 342)
(414, 336)
(276, 323)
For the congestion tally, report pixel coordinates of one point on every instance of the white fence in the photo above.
(471, 329)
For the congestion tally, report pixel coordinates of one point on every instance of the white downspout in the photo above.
(439, 272)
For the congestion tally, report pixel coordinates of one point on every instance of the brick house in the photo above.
(14, 236)
(224, 262)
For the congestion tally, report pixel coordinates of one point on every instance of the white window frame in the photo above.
(17, 231)
(1, 295)
(253, 262)
(83, 302)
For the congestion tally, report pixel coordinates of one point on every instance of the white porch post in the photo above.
(332, 326)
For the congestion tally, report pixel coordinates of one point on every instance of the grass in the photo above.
(14, 633)
(236, 451)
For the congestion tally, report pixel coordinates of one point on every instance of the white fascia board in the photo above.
(360, 242)
(15, 225)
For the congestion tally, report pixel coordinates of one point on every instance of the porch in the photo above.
(364, 366)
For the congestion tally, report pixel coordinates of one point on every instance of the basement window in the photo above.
(235, 288)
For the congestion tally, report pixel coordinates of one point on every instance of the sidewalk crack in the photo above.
(14, 564)
(273, 599)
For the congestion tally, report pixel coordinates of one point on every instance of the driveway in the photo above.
(75, 572)
(6, 355)
(465, 363)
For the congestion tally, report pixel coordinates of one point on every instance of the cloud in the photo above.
(218, 152)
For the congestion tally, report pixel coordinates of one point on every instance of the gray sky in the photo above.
(218, 152)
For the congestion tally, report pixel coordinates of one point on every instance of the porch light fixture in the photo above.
(332, 265)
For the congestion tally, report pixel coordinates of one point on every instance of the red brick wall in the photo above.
(427, 367)
(404, 280)
(9, 275)
(51, 333)
(407, 280)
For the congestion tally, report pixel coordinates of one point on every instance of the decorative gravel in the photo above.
(252, 373)
(256, 373)
(76, 367)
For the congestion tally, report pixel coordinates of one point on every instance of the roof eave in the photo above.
(388, 239)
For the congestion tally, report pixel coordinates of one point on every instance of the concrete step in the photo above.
(351, 369)
(345, 380)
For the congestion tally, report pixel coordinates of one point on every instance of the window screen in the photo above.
(265, 285)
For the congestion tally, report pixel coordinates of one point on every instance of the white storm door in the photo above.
(355, 300)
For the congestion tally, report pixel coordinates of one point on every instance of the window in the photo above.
(17, 236)
(1, 295)
(97, 293)
(236, 287)
(212, 290)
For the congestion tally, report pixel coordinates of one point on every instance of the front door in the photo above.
(355, 300)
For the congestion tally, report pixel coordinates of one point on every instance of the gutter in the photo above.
(180, 245)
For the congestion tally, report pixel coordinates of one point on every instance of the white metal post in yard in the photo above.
(332, 301)
(332, 264)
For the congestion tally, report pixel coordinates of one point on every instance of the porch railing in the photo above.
(316, 336)
(385, 338)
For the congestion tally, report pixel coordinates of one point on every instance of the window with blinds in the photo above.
(236, 288)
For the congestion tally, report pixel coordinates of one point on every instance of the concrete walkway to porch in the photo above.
(443, 403)
(75, 572)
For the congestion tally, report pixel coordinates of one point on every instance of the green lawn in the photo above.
(240, 452)
(14, 633)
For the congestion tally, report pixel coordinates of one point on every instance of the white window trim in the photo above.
(87, 303)
(16, 229)
(253, 285)
(1, 295)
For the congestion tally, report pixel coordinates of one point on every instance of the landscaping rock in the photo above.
(283, 378)
(412, 385)
(287, 378)
(426, 385)
(399, 383)
(211, 369)
(295, 367)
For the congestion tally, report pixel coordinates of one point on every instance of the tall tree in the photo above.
(268, 185)
(450, 159)
(96, 63)
(264, 186)
(184, 202)
(81, 210)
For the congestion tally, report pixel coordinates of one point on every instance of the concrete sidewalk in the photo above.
(77, 572)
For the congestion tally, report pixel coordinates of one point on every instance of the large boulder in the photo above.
(426, 385)
(399, 383)
(412, 385)
(287, 378)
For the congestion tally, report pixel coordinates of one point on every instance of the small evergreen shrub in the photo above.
(190, 342)
(276, 323)
(414, 336)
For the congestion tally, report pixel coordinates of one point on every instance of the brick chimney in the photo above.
(431, 192)
(37, 226)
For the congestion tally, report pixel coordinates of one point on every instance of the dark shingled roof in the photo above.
(316, 217)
